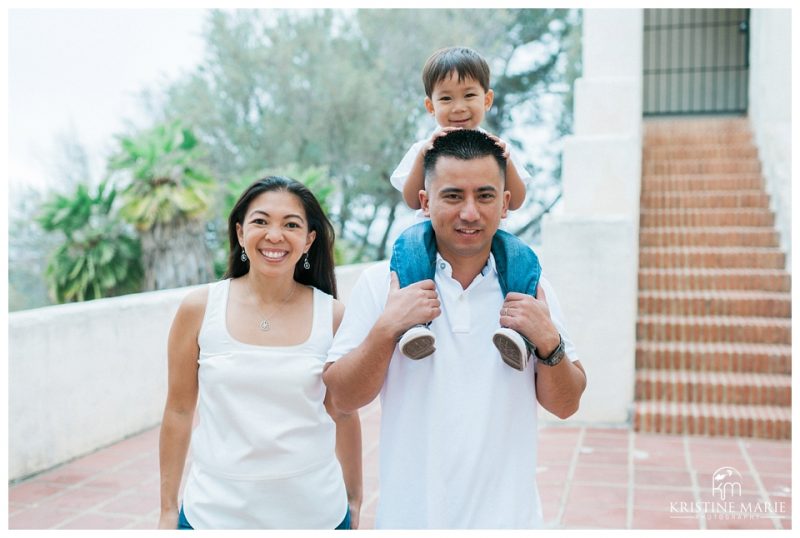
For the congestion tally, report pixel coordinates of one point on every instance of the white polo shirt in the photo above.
(458, 428)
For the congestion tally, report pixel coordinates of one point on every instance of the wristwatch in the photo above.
(556, 356)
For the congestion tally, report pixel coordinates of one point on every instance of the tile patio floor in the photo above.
(588, 478)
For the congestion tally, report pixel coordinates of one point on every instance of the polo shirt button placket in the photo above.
(463, 315)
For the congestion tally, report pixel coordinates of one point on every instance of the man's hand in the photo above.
(530, 316)
(409, 306)
(558, 388)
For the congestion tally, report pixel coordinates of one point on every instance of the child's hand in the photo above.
(502, 144)
(441, 132)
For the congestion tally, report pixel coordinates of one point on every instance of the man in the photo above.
(458, 428)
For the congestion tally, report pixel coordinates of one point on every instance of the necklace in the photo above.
(264, 324)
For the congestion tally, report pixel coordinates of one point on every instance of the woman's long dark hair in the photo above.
(320, 255)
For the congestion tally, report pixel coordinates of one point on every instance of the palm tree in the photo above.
(99, 257)
(167, 196)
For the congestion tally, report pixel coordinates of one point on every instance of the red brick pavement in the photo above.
(588, 478)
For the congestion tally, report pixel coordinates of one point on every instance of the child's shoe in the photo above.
(512, 347)
(418, 342)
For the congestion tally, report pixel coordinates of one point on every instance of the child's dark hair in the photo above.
(465, 145)
(321, 274)
(464, 61)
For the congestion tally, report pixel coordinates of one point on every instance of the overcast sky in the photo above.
(80, 72)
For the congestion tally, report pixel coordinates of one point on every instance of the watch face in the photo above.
(557, 356)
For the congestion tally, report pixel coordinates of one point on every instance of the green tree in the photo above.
(342, 90)
(166, 194)
(525, 65)
(29, 246)
(99, 256)
(535, 72)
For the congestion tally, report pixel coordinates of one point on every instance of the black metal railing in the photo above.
(695, 61)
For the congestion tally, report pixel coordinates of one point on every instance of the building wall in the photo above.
(591, 251)
(85, 375)
(770, 110)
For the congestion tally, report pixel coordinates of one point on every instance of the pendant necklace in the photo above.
(264, 324)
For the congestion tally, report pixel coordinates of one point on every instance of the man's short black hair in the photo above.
(465, 145)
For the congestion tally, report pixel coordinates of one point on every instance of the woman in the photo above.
(251, 349)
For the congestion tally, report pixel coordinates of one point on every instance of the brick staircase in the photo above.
(713, 351)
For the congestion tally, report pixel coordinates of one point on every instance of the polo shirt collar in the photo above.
(444, 266)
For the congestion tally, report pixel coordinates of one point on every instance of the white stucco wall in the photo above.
(590, 251)
(770, 110)
(588, 261)
(85, 375)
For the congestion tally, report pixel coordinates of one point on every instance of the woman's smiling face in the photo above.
(274, 232)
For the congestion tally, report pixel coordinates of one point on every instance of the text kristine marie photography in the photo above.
(727, 503)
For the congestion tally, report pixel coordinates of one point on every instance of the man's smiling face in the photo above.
(465, 201)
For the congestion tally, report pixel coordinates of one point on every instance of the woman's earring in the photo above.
(243, 256)
(306, 265)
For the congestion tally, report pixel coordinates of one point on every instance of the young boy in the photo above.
(456, 81)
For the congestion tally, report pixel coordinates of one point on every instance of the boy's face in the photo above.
(459, 104)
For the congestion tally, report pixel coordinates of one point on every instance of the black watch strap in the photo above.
(556, 356)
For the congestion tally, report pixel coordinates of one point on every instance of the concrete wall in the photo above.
(82, 376)
(590, 251)
(770, 110)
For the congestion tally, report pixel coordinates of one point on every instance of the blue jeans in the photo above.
(414, 259)
(183, 523)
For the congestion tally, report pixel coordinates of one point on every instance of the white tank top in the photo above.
(264, 449)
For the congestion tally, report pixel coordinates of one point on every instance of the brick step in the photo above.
(757, 199)
(710, 137)
(714, 279)
(706, 217)
(712, 257)
(701, 182)
(714, 387)
(690, 134)
(760, 421)
(698, 131)
(697, 123)
(699, 151)
(699, 236)
(715, 357)
(716, 303)
(760, 330)
(701, 166)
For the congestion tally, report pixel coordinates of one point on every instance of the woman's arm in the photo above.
(348, 442)
(176, 426)
(348, 451)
